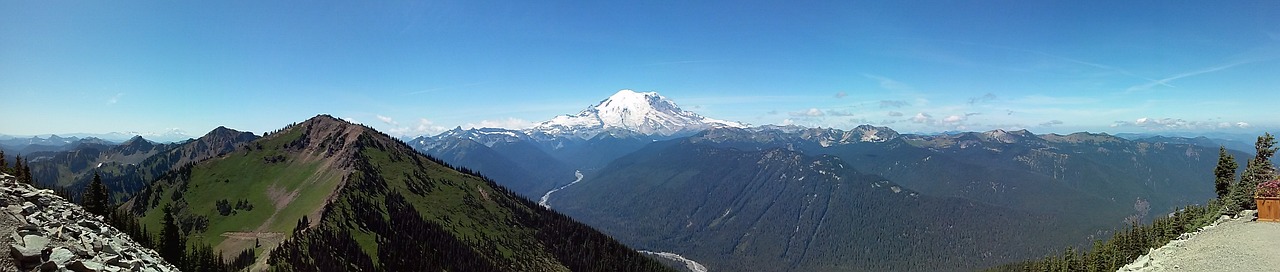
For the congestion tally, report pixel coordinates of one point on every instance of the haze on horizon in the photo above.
(415, 68)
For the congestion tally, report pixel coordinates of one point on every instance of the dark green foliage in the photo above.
(225, 208)
(173, 242)
(22, 170)
(1125, 245)
(413, 243)
(1258, 170)
(1225, 173)
(97, 198)
(378, 201)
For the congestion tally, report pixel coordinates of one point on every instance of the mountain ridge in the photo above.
(326, 194)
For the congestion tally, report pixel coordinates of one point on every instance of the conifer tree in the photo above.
(1225, 172)
(96, 197)
(172, 245)
(1258, 170)
(4, 164)
(26, 173)
(17, 168)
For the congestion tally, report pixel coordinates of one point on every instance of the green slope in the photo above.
(370, 203)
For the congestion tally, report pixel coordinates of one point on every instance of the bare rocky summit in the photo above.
(45, 232)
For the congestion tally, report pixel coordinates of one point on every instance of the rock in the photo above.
(61, 256)
(35, 241)
(86, 266)
(89, 225)
(25, 254)
(49, 266)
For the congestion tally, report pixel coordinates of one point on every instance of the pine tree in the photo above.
(26, 174)
(96, 197)
(1258, 170)
(1225, 172)
(172, 245)
(17, 168)
(4, 164)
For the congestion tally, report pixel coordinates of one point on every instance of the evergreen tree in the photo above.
(172, 244)
(96, 198)
(1258, 170)
(26, 174)
(1225, 172)
(17, 168)
(4, 164)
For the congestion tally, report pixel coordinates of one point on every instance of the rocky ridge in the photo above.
(48, 233)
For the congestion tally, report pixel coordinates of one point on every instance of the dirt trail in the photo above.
(1238, 244)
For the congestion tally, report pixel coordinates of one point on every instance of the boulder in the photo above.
(61, 256)
(35, 241)
(25, 254)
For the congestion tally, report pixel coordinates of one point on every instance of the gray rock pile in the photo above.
(47, 233)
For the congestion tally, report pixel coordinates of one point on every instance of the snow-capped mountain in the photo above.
(647, 113)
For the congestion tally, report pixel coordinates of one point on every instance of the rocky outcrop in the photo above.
(45, 232)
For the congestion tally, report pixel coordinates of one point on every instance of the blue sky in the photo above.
(411, 68)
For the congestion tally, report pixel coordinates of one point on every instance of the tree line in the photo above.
(21, 169)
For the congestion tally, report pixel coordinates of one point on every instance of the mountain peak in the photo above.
(644, 112)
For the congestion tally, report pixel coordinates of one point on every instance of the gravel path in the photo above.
(1232, 245)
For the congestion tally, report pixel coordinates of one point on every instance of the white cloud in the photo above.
(841, 94)
(423, 127)
(509, 123)
(811, 112)
(895, 114)
(387, 120)
(921, 118)
(954, 119)
(1177, 124)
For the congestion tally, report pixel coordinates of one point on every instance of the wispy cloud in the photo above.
(509, 123)
(841, 94)
(1177, 124)
(839, 113)
(981, 99)
(1051, 123)
(811, 112)
(387, 120)
(1165, 81)
(114, 99)
(888, 83)
(893, 103)
(1071, 60)
(423, 127)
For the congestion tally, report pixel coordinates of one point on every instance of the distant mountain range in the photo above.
(717, 192)
(165, 136)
